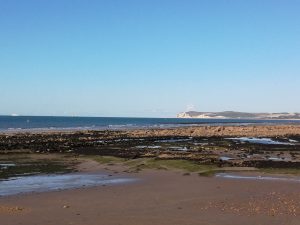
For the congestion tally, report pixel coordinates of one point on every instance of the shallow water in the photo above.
(178, 148)
(264, 141)
(7, 164)
(268, 178)
(275, 159)
(174, 140)
(4, 166)
(225, 158)
(43, 183)
(146, 146)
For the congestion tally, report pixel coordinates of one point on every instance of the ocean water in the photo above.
(14, 123)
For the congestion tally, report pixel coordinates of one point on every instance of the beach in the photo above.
(224, 175)
(275, 146)
(159, 197)
(149, 112)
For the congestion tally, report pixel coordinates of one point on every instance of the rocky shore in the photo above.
(219, 131)
(178, 173)
(195, 131)
(273, 147)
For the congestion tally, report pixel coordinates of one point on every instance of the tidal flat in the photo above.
(149, 190)
(13, 165)
(279, 148)
(224, 177)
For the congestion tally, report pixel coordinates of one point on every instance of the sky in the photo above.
(145, 58)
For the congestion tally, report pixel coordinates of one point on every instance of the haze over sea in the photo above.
(15, 123)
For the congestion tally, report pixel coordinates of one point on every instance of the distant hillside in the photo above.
(238, 115)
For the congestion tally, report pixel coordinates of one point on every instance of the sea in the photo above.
(24, 123)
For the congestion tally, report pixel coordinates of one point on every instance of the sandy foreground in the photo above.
(158, 197)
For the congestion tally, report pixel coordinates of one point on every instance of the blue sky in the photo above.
(148, 58)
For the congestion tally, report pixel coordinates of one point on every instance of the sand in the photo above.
(158, 197)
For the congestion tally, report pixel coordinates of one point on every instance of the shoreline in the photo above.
(136, 124)
(117, 168)
(273, 147)
(159, 197)
(175, 168)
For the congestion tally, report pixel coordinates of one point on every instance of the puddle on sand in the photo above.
(146, 146)
(43, 183)
(264, 141)
(267, 178)
(174, 140)
(178, 148)
(201, 144)
(6, 165)
(127, 139)
(225, 158)
(276, 159)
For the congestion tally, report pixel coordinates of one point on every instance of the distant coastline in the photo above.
(239, 115)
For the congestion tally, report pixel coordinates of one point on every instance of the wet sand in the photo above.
(159, 197)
